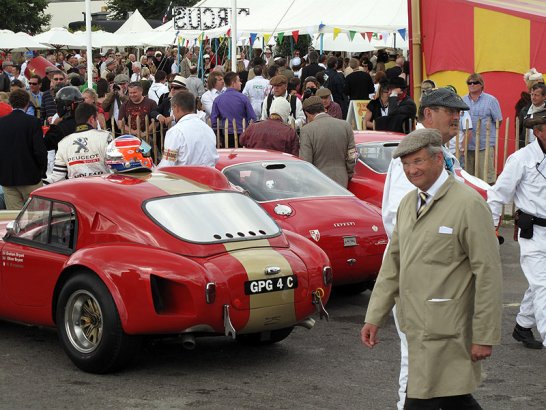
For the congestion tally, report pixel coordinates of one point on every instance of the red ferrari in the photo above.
(302, 199)
(178, 252)
(375, 150)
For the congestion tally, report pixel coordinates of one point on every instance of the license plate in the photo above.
(349, 241)
(254, 287)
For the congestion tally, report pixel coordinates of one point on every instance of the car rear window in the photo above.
(270, 181)
(376, 155)
(211, 217)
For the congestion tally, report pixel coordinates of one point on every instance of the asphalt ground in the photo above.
(323, 368)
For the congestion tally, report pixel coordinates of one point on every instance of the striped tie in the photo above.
(423, 197)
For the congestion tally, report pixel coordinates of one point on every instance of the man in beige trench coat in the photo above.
(443, 271)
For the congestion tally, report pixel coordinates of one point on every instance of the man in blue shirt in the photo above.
(486, 108)
(231, 105)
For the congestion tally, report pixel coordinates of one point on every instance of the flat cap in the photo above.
(7, 63)
(323, 92)
(311, 101)
(121, 78)
(535, 119)
(50, 68)
(417, 140)
(109, 61)
(443, 97)
(278, 80)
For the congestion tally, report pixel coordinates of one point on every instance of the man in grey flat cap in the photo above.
(442, 269)
(439, 109)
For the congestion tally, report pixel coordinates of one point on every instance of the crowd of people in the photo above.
(299, 105)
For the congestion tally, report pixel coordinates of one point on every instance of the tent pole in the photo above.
(89, 42)
(416, 54)
(234, 35)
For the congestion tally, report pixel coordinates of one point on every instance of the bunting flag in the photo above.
(336, 32)
(253, 38)
(266, 38)
(321, 26)
(295, 35)
(280, 37)
(228, 33)
(377, 36)
(385, 37)
(402, 33)
(352, 34)
(369, 35)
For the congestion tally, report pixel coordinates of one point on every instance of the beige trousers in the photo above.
(488, 177)
(16, 196)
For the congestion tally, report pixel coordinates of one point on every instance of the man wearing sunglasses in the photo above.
(486, 108)
(49, 108)
(164, 113)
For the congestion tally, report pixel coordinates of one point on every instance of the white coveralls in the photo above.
(523, 181)
(81, 154)
(396, 187)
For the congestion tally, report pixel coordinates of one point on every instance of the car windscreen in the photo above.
(376, 155)
(211, 217)
(269, 181)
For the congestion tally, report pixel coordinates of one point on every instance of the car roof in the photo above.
(135, 187)
(242, 155)
(362, 137)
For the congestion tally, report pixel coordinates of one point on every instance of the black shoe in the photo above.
(524, 335)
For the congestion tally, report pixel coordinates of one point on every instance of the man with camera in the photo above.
(115, 98)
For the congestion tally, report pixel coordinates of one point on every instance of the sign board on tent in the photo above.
(203, 18)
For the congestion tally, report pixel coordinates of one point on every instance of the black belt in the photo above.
(534, 219)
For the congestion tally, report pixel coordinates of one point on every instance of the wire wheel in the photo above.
(83, 321)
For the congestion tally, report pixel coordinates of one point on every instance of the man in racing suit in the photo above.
(440, 109)
(82, 153)
(523, 180)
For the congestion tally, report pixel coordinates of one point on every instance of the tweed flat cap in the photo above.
(535, 119)
(323, 92)
(121, 78)
(313, 100)
(110, 61)
(443, 97)
(417, 140)
(278, 80)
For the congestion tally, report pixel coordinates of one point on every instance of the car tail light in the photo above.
(327, 275)
(210, 292)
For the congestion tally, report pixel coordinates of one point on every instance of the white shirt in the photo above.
(522, 182)
(136, 77)
(465, 115)
(157, 90)
(397, 186)
(190, 142)
(255, 91)
(433, 190)
(208, 98)
(300, 115)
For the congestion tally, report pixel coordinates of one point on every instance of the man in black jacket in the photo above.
(336, 84)
(402, 109)
(24, 159)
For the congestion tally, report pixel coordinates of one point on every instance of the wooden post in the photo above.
(138, 126)
(226, 131)
(154, 141)
(235, 136)
(113, 126)
(123, 125)
(147, 126)
(486, 164)
(465, 143)
(517, 133)
(244, 124)
(477, 141)
(457, 153)
(218, 134)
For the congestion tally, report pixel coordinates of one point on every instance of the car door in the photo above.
(36, 250)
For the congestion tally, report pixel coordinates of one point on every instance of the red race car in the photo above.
(302, 199)
(375, 150)
(178, 252)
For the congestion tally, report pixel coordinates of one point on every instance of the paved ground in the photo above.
(324, 368)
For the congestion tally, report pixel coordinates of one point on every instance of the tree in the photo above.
(150, 9)
(27, 16)
(288, 45)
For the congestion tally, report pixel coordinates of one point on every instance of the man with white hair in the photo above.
(273, 133)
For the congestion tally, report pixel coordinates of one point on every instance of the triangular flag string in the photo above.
(336, 32)
(266, 38)
(280, 37)
(402, 33)
(295, 35)
(369, 35)
(352, 34)
(253, 38)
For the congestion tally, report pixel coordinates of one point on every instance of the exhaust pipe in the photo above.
(188, 341)
(307, 323)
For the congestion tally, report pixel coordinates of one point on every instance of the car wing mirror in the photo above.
(12, 228)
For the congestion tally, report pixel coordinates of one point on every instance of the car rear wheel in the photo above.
(265, 338)
(355, 288)
(90, 329)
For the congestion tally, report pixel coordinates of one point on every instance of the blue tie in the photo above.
(449, 164)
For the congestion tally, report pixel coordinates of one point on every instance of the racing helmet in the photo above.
(129, 153)
(67, 99)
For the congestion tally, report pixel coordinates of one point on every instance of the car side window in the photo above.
(47, 223)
